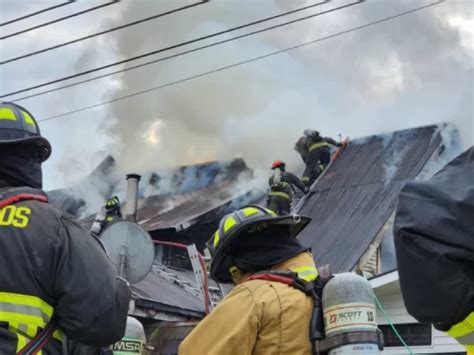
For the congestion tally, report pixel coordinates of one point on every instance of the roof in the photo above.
(175, 198)
(356, 195)
(164, 295)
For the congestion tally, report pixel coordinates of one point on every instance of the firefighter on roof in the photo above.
(282, 184)
(315, 152)
(259, 316)
(55, 280)
(108, 215)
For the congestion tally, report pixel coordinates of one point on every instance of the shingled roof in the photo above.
(357, 194)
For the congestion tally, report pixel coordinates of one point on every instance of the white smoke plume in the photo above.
(361, 83)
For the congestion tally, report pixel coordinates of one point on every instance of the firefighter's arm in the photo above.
(332, 141)
(231, 328)
(92, 303)
(297, 182)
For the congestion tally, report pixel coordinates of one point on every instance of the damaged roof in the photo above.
(356, 195)
(174, 199)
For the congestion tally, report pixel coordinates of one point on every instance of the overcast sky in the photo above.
(410, 71)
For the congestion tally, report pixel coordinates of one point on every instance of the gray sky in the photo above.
(411, 71)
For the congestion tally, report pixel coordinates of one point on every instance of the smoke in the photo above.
(359, 84)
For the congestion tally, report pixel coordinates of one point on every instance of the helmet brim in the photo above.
(295, 223)
(37, 143)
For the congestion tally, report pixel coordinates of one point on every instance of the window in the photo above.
(413, 334)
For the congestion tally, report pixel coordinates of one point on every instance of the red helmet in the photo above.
(278, 164)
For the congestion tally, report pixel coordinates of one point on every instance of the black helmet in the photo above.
(112, 204)
(248, 219)
(18, 126)
(311, 133)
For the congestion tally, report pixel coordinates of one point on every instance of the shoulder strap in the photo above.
(13, 195)
(40, 340)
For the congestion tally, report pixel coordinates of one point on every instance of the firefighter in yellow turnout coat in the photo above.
(257, 317)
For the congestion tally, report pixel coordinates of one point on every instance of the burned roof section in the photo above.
(354, 198)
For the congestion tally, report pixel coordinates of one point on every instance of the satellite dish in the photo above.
(130, 248)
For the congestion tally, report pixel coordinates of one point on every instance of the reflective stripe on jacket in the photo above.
(463, 332)
(258, 317)
(317, 145)
(280, 194)
(49, 265)
(25, 316)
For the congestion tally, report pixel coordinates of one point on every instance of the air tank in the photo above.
(350, 316)
(134, 340)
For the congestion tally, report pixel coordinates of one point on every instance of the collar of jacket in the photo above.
(301, 260)
(10, 195)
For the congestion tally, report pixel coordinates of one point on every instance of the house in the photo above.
(420, 338)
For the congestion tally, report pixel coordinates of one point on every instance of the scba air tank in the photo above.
(350, 316)
(134, 340)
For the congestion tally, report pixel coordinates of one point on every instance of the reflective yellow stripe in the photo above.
(7, 114)
(250, 211)
(22, 341)
(229, 223)
(271, 212)
(216, 239)
(279, 193)
(25, 315)
(306, 273)
(463, 328)
(305, 178)
(26, 300)
(464, 332)
(318, 145)
(28, 119)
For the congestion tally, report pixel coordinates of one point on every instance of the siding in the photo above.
(392, 301)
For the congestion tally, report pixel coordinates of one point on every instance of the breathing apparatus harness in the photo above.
(320, 344)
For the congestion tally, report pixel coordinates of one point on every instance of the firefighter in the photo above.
(281, 184)
(55, 281)
(109, 214)
(434, 243)
(258, 316)
(316, 154)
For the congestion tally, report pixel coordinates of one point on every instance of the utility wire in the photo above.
(59, 19)
(31, 54)
(36, 13)
(301, 45)
(168, 57)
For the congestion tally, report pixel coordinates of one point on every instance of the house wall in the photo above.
(391, 299)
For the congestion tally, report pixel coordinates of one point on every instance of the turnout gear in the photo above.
(434, 242)
(301, 147)
(61, 266)
(50, 266)
(282, 184)
(259, 317)
(108, 215)
(237, 228)
(318, 155)
(18, 126)
(112, 204)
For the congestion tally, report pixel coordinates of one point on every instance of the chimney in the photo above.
(132, 197)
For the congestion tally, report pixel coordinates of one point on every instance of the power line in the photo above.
(37, 13)
(59, 19)
(301, 45)
(31, 54)
(170, 56)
